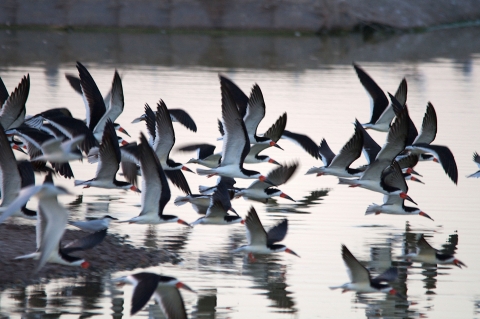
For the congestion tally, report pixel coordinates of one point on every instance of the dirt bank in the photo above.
(111, 255)
(272, 15)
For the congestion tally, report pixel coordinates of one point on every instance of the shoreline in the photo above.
(113, 254)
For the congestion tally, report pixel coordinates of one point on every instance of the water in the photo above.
(313, 81)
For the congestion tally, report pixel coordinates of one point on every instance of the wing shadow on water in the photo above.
(172, 241)
(269, 277)
(299, 207)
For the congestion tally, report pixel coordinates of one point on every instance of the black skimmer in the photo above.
(261, 191)
(201, 202)
(304, 141)
(156, 192)
(393, 177)
(421, 145)
(476, 159)
(395, 143)
(260, 241)
(34, 139)
(13, 177)
(98, 109)
(177, 115)
(427, 254)
(236, 144)
(361, 280)
(205, 154)
(163, 288)
(163, 142)
(94, 225)
(51, 221)
(217, 211)
(12, 112)
(108, 163)
(382, 112)
(339, 165)
(251, 109)
(56, 151)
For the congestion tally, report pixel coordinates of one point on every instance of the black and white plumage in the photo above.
(108, 163)
(12, 112)
(156, 192)
(177, 115)
(13, 177)
(51, 221)
(476, 159)
(395, 143)
(382, 112)
(236, 144)
(304, 141)
(260, 241)
(163, 288)
(393, 177)
(163, 142)
(339, 165)
(205, 154)
(217, 211)
(261, 191)
(425, 253)
(361, 280)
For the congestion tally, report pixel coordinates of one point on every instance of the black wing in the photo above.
(240, 99)
(178, 179)
(305, 142)
(84, 243)
(183, 118)
(278, 232)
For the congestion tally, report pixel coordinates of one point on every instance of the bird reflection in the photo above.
(269, 275)
(206, 305)
(89, 289)
(173, 241)
(389, 307)
(299, 206)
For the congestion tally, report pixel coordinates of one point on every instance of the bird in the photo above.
(236, 144)
(99, 109)
(261, 191)
(177, 115)
(163, 288)
(421, 144)
(382, 112)
(217, 211)
(163, 142)
(260, 241)
(339, 165)
(425, 253)
(476, 159)
(94, 225)
(156, 192)
(51, 221)
(205, 154)
(57, 151)
(108, 163)
(395, 143)
(361, 280)
(394, 205)
(13, 177)
(12, 111)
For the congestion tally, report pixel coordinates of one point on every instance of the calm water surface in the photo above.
(313, 81)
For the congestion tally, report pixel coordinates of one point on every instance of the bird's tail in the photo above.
(29, 256)
(373, 209)
(313, 170)
(181, 200)
(206, 189)
(79, 182)
(346, 181)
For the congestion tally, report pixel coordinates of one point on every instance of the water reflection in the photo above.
(270, 275)
(298, 207)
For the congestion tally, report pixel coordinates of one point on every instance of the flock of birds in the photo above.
(56, 137)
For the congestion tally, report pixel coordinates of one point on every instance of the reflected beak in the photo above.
(405, 196)
(272, 143)
(272, 161)
(184, 168)
(288, 250)
(182, 285)
(180, 221)
(121, 129)
(283, 195)
(135, 189)
(425, 215)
